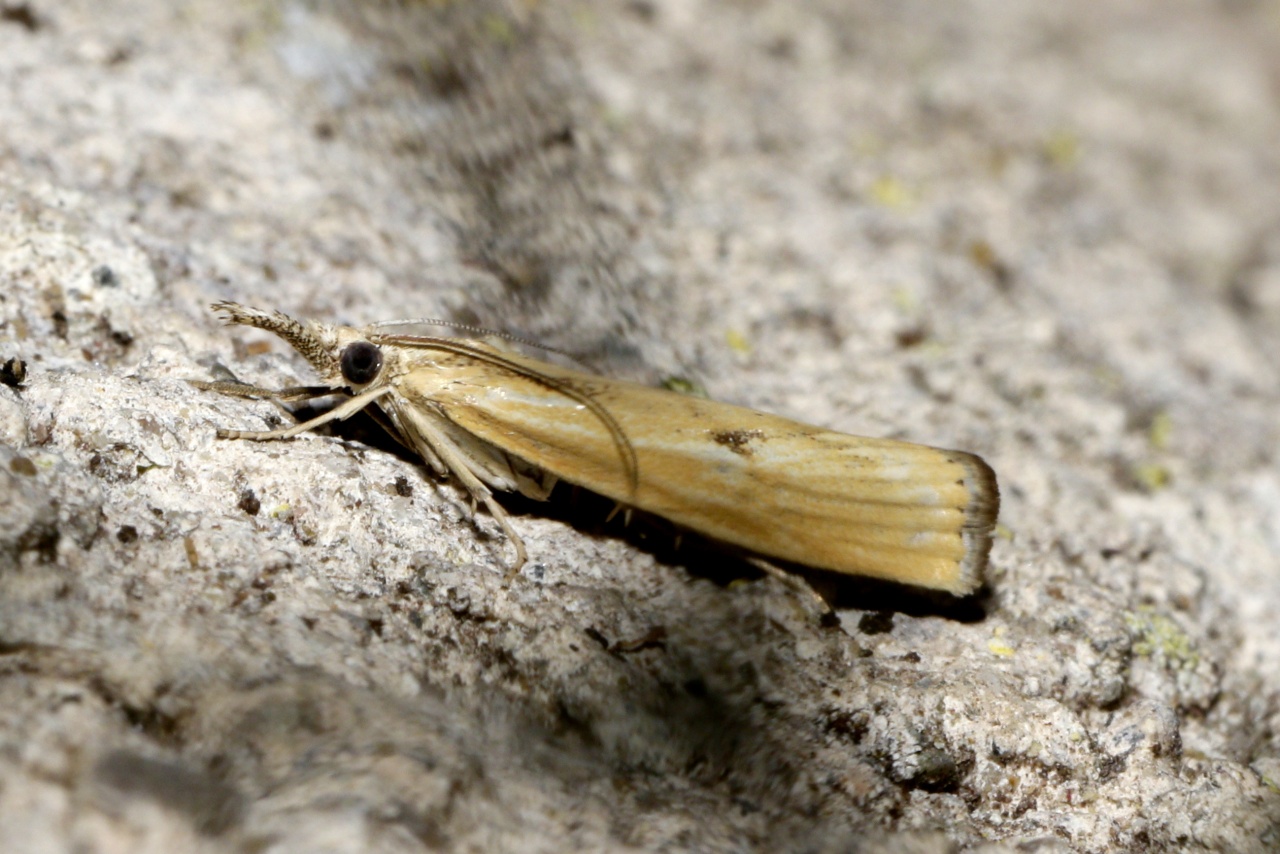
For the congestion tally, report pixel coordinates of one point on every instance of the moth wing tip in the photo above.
(971, 569)
(980, 514)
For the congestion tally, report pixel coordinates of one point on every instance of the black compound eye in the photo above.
(361, 362)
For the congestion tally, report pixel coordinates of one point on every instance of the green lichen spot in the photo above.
(1156, 636)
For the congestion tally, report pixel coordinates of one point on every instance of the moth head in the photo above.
(360, 363)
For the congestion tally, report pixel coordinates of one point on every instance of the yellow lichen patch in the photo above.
(1062, 149)
(998, 646)
(1160, 431)
(1156, 636)
(887, 191)
(1151, 476)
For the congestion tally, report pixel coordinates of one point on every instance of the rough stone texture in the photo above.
(1046, 233)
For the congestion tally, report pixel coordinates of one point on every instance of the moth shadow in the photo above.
(723, 564)
(594, 515)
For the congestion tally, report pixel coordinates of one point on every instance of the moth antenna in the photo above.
(477, 330)
(796, 584)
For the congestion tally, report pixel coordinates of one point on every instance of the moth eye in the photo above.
(361, 362)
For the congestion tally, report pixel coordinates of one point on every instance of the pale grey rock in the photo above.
(1046, 234)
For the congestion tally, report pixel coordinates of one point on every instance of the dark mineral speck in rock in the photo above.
(13, 372)
(105, 277)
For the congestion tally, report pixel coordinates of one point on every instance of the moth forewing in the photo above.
(782, 489)
(761, 483)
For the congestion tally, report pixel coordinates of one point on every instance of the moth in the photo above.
(766, 485)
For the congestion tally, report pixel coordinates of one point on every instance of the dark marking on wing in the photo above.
(738, 441)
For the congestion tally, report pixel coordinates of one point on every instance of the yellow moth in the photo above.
(769, 486)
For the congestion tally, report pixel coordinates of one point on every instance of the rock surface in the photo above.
(1046, 234)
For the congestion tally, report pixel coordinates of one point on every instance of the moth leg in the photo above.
(279, 397)
(235, 389)
(797, 585)
(393, 430)
(455, 461)
(532, 482)
(338, 413)
(626, 510)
